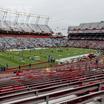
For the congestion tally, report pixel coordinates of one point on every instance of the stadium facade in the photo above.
(21, 30)
(20, 23)
(87, 35)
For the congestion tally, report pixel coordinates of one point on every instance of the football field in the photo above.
(16, 58)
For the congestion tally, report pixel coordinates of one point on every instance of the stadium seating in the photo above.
(26, 43)
(87, 35)
(25, 35)
(97, 27)
(8, 26)
(86, 44)
(42, 89)
(58, 84)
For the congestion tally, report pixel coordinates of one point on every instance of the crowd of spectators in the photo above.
(96, 44)
(27, 43)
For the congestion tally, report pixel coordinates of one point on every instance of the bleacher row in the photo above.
(87, 35)
(53, 86)
(7, 26)
(96, 27)
(86, 44)
(25, 43)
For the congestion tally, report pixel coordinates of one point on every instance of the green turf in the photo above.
(14, 59)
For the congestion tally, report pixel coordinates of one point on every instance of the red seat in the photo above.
(19, 87)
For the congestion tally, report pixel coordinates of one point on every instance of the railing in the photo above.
(53, 95)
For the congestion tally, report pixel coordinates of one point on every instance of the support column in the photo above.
(47, 21)
(37, 19)
(28, 18)
(4, 16)
(17, 18)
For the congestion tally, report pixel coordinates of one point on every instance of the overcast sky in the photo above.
(61, 12)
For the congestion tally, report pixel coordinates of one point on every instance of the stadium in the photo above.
(38, 67)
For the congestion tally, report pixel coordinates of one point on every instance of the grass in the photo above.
(14, 58)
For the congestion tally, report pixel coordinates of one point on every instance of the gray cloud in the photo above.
(61, 12)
